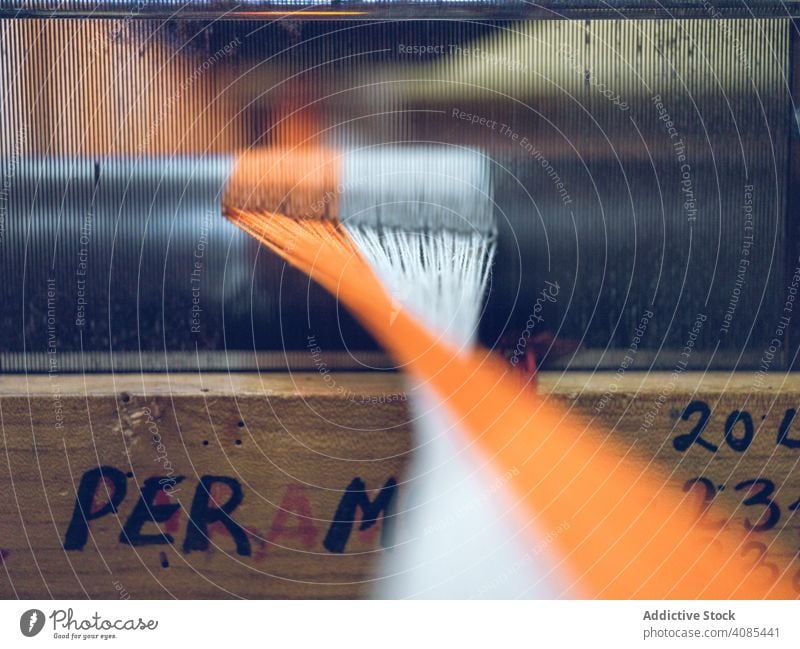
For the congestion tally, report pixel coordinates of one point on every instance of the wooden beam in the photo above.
(228, 485)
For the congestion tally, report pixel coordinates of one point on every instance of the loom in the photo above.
(645, 173)
(625, 138)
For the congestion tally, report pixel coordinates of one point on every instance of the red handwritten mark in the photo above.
(220, 493)
(294, 506)
(259, 542)
(103, 494)
(525, 353)
(174, 522)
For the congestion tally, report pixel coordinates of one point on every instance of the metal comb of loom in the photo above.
(637, 147)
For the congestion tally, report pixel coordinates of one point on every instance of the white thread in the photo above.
(424, 220)
(440, 276)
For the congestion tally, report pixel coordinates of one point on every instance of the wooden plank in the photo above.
(293, 444)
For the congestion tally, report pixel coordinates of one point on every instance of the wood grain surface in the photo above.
(240, 485)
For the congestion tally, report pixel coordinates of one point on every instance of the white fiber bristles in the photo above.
(440, 276)
(424, 219)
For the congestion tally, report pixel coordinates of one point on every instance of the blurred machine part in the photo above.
(641, 165)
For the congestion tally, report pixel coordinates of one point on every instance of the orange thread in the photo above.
(629, 534)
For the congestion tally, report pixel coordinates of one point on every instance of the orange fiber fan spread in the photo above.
(629, 534)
